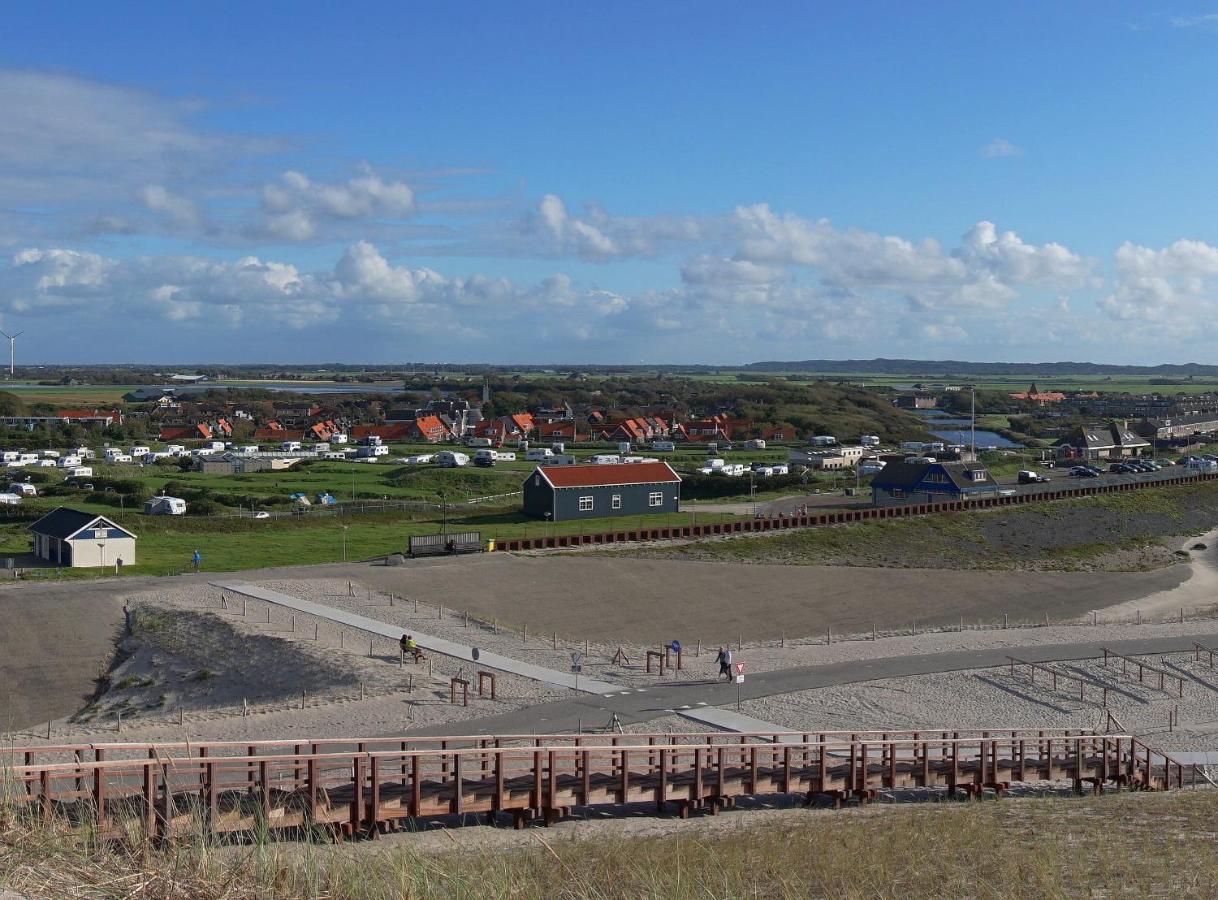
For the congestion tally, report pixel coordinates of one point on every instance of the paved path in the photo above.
(435, 644)
(691, 699)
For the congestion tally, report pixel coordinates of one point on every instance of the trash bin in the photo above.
(490, 546)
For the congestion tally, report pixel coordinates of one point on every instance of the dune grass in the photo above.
(1122, 845)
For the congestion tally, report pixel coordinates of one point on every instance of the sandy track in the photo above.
(648, 600)
(54, 641)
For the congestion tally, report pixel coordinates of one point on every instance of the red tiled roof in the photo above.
(384, 432)
(87, 414)
(596, 476)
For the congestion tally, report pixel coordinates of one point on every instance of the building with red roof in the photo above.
(566, 493)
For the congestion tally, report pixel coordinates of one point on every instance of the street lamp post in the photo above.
(344, 528)
(548, 515)
(444, 514)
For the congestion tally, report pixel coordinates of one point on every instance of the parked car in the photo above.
(1122, 469)
(1027, 476)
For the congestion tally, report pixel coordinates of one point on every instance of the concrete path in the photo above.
(435, 644)
(692, 699)
(728, 720)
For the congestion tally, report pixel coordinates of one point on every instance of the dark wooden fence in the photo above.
(835, 517)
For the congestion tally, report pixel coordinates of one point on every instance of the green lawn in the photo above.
(166, 544)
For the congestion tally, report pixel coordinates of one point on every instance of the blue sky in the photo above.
(541, 182)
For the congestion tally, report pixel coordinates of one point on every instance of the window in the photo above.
(978, 474)
(536, 480)
(616, 502)
(585, 504)
(655, 498)
(898, 493)
(936, 478)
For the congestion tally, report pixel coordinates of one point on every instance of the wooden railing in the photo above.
(362, 786)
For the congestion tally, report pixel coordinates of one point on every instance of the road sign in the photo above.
(739, 679)
(740, 668)
(577, 659)
(675, 646)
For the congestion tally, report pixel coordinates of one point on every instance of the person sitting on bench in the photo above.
(410, 647)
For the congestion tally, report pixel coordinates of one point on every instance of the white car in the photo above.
(262, 514)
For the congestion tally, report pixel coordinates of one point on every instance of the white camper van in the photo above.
(165, 506)
(451, 459)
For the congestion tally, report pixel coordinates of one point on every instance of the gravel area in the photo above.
(996, 699)
(698, 664)
(255, 696)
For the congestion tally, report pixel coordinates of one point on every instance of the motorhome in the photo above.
(870, 440)
(23, 488)
(537, 454)
(80, 472)
(248, 449)
(291, 446)
(138, 451)
(484, 458)
(560, 459)
(9, 456)
(67, 462)
(175, 449)
(50, 454)
(663, 446)
(605, 459)
(372, 452)
(338, 438)
(823, 440)
(451, 459)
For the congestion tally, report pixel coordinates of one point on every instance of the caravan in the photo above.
(451, 459)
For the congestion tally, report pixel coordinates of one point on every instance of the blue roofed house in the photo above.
(70, 537)
(899, 483)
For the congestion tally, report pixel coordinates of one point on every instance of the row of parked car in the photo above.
(1125, 467)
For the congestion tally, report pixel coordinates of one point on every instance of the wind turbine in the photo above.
(12, 352)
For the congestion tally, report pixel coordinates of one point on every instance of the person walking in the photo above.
(197, 559)
(724, 658)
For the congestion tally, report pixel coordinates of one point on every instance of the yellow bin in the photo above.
(490, 546)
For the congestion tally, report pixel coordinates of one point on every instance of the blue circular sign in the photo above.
(675, 646)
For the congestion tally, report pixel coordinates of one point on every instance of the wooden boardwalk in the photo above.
(365, 786)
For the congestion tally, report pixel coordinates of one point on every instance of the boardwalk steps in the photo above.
(365, 786)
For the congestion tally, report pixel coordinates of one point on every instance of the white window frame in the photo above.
(586, 504)
(655, 498)
(616, 502)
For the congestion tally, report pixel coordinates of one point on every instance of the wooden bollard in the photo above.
(495, 626)
(302, 699)
(316, 626)
(440, 611)
(410, 683)
(524, 634)
(556, 640)
(293, 624)
(268, 614)
(873, 631)
(416, 606)
(829, 635)
(370, 642)
(342, 639)
(244, 607)
(467, 620)
(181, 716)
